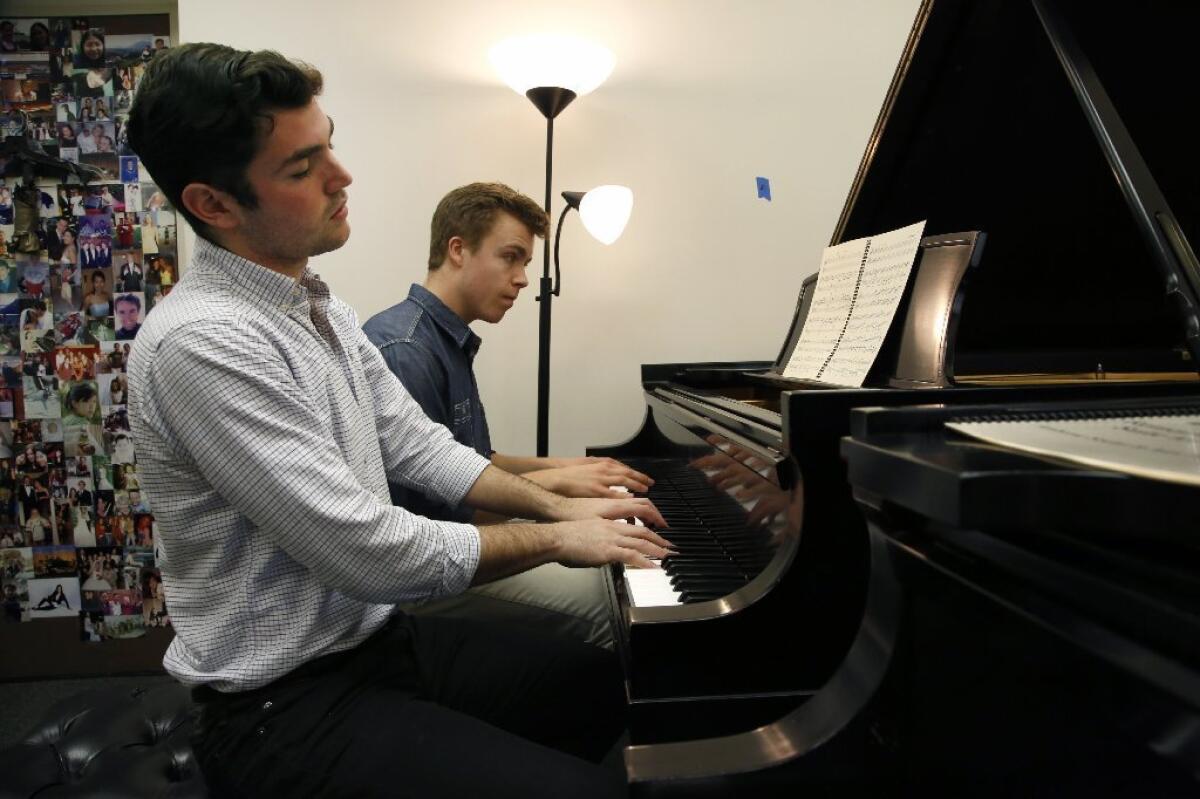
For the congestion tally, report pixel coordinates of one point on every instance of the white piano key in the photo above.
(650, 588)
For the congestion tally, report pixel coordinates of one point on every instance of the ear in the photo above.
(456, 248)
(211, 206)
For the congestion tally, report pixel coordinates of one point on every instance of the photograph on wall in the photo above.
(32, 456)
(33, 272)
(125, 229)
(54, 561)
(114, 390)
(143, 529)
(11, 535)
(75, 362)
(102, 474)
(118, 439)
(125, 477)
(124, 626)
(80, 401)
(112, 357)
(78, 520)
(15, 591)
(122, 601)
(129, 170)
(99, 570)
(14, 584)
(8, 403)
(24, 33)
(154, 599)
(128, 273)
(128, 311)
(95, 239)
(9, 277)
(52, 433)
(53, 597)
(104, 501)
(15, 562)
(41, 398)
(91, 627)
(82, 440)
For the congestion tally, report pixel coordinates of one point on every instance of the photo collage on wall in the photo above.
(83, 259)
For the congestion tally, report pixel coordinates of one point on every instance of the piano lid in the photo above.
(1056, 128)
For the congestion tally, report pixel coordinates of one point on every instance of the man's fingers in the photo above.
(632, 483)
(648, 535)
(635, 560)
(617, 469)
(647, 548)
(637, 477)
(644, 509)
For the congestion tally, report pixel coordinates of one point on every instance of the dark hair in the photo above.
(203, 110)
(39, 26)
(129, 298)
(470, 211)
(81, 57)
(80, 392)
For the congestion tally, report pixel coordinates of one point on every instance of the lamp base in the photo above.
(550, 100)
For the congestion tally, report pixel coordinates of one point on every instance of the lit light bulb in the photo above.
(605, 211)
(551, 60)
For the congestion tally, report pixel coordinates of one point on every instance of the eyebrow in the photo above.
(305, 152)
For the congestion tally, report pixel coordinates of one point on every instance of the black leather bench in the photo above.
(106, 743)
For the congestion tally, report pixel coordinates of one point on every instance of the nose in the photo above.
(339, 177)
(522, 279)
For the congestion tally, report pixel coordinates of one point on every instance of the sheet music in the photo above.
(1158, 447)
(858, 290)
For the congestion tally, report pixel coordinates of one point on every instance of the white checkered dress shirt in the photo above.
(266, 426)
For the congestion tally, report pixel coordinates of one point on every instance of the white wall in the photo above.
(706, 95)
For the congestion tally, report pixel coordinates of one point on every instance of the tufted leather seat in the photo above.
(108, 744)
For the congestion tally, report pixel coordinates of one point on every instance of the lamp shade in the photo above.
(544, 60)
(605, 211)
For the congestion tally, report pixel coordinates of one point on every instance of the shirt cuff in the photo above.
(461, 471)
(462, 556)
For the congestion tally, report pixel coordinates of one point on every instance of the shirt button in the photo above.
(261, 731)
(268, 705)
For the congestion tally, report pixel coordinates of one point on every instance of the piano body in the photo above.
(754, 661)
(1045, 618)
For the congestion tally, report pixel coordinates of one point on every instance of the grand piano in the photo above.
(1039, 139)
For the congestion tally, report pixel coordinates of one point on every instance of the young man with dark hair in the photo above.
(266, 429)
(481, 241)
(128, 311)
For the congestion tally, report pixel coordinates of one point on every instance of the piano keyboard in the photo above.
(717, 552)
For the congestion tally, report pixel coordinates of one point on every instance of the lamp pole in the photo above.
(550, 100)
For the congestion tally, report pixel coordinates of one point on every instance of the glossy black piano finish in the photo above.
(720, 666)
(1016, 121)
(1048, 635)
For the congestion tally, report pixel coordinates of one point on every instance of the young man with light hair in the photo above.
(481, 241)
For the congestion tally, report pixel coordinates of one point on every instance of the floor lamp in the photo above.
(551, 71)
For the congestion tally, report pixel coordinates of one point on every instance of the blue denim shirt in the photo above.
(432, 350)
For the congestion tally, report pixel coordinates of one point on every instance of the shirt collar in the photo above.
(446, 319)
(249, 280)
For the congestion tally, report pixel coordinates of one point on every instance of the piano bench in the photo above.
(106, 743)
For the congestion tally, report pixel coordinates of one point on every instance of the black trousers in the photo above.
(426, 707)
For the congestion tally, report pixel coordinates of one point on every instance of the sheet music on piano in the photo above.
(858, 290)
(1159, 446)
